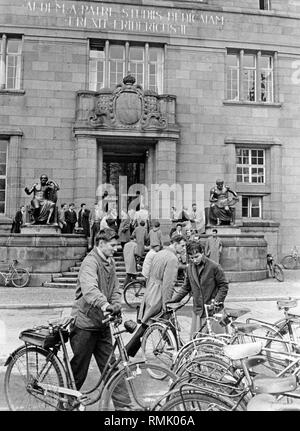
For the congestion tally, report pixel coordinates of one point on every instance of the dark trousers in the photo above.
(98, 343)
(70, 227)
(95, 229)
(134, 343)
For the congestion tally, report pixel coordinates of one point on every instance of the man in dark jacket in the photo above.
(206, 281)
(70, 218)
(18, 220)
(97, 292)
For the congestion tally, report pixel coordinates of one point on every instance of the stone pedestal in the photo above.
(43, 254)
(33, 229)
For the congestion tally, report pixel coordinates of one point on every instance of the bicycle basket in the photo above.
(43, 337)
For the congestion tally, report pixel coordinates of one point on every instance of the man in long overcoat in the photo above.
(84, 217)
(129, 252)
(140, 232)
(124, 229)
(159, 288)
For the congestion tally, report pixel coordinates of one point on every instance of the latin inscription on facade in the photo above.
(129, 19)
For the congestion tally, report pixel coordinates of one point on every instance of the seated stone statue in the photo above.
(221, 211)
(44, 200)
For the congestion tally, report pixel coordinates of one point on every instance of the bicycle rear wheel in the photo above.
(20, 277)
(196, 401)
(159, 346)
(278, 273)
(22, 389)
(133, 387)
(133, 293)
(289, 262)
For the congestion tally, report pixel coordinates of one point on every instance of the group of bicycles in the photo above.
(227, 366)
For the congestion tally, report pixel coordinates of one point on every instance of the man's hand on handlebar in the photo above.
(114, 309)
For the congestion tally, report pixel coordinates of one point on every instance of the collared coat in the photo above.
(124, 230)
(141, 235)
(206, 282)
(160, 284)
(129, 253)
(97, 286)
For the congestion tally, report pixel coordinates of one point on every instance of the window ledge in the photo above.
(250, 222)
(253, 104)
(12, 92)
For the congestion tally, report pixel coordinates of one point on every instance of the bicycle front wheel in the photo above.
(278, 273)
(133, 387)
(159, 346)
(289, 262)
(133, 293)
(20, 277)
(196, 401)
(27, 368)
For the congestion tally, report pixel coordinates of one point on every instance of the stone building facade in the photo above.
(217, 95)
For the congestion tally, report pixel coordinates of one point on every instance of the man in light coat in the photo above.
(159, 288)
(130, 253)
(213, 247)
(97, 292)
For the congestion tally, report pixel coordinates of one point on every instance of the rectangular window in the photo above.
(265, 4)
(110, 62)
(10, 62)
(3, 168)
(250, 165)
(255, 70)
(251, 206)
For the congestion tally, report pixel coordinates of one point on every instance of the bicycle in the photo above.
(291, 261)
(37, 379)
(19, 277)
(274, 268)
(133, 292)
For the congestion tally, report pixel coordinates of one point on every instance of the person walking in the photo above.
(159, 288)
(124, 229)
(84, 217)
(197, 219)
(130, 253)
(18, 220)
(213, 247)
(97, 292)
(61, 218)
(140, 232)
(155, 236)
(148, 260)
(71, 218)
(206, 280)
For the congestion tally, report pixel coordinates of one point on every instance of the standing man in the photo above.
(140, 232)
(148, 260)
(206, 281)
(61, 218)
(159, 288)
(130, 253)
(18, 220)
(84, 217)
(124, 229)
(197, 220)
(95, 223)
(97, 291)
(213, 247)
(71, 218)
(155, 236)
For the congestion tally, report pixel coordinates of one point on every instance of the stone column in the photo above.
(85, 175)
(165, 181)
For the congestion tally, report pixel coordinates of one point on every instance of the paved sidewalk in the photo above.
(264, 290)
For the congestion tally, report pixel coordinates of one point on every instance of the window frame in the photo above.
(5, 176)
(265, 4)
(104, 46)
(5, 57)
(250, 166)
(258, 70)
(250, 206)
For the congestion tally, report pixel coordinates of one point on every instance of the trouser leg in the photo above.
(134, 343)
(102, 351)
(82, 344)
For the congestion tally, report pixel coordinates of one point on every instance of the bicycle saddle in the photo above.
(268, 403)
(236, 313)
(287, 303)
(242, 351)
(274, 385)
(245, 328)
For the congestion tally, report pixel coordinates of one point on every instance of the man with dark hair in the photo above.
(140, 233)
(97, 291)
(155, 236)
(206, 281)
(159, 288)
(71, 218)
(84, 216)
(61, 218)
(18, 220)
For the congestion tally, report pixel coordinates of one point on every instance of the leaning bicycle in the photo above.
(291, 261)
(38, 378)
(17, 276)
(275, 270)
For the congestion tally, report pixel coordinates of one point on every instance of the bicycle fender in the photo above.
(12, 355)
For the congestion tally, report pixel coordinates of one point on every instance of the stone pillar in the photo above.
(85, 170)
(165, 181)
